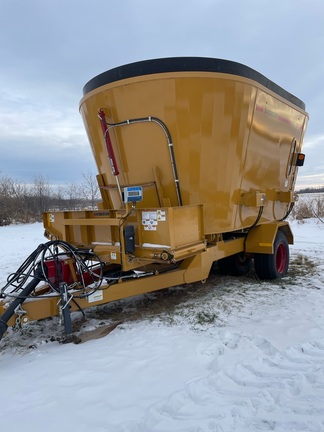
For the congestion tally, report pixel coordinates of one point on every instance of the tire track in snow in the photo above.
(269, 390)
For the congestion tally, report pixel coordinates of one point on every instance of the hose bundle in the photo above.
(87, 265)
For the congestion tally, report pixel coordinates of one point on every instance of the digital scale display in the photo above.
(133, 194)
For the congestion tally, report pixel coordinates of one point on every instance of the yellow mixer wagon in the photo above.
(197, 162)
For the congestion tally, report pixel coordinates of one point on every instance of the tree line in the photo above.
(308, 190)
(25, 202)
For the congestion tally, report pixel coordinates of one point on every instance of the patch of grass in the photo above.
(301, 265)
(205, 317)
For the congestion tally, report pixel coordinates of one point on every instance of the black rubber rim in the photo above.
(187, 64)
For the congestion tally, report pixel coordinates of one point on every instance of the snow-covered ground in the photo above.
(233, 354)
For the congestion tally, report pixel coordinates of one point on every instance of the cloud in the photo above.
(49, 50)
(313, 141)
(312, 173)
(56, 127)
(27, 159)
(39, 137)
(311, 181)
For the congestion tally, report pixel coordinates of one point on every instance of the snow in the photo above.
(234, 354)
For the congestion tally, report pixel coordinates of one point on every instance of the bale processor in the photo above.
(197, 162)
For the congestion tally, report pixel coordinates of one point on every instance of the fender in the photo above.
(260, 239)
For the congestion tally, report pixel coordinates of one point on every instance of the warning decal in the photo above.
(150, 220)
(161, 215)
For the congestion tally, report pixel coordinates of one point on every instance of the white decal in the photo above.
(161, 215)
(96, 296)
(149, 220)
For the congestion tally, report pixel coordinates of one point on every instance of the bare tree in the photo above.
(309, 206)
(13, 201)
(58, 199)
(5, 200)
(41, 191)
(72, 196)
(90, 190)
(22, 203)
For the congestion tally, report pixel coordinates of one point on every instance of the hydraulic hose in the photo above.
(88, 271)
(29, 288)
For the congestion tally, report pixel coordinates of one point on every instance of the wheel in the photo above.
(235, 265)
(273, 266)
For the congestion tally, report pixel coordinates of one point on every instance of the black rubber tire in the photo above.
(235, 265)
(273, 266)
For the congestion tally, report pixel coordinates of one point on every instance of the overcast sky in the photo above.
(50, 48)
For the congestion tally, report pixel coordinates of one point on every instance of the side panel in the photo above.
(276, 133)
